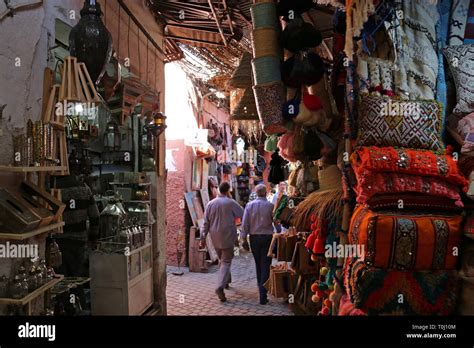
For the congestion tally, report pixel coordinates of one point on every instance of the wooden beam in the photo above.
(194, 40)
(229, 19)
(217, 22)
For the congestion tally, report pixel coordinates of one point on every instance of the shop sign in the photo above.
(196, 137)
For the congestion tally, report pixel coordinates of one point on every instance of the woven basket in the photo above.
(266, 70)
(242, 76)
(269, 99)
(264, 15)
(242, 104)
(265, 42)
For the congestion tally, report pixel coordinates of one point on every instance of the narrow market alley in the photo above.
(193, 293)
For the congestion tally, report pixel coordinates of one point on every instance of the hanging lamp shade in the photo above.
(242, 104)
(242, 76)
(90, 41)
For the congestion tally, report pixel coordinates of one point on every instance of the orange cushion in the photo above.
(406, 241)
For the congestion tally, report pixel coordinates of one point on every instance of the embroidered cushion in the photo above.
(390, 122)
(371, 183)
(377, 292)
(406, 241)
(412, 201)
(461, 64)
(424, 163)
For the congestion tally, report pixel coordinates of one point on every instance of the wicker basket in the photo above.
(242, 104)
(266, 70)
(242, 76)
(269, 99)
(265, 42)
(264, 14)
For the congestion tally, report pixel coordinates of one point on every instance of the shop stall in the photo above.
(373, 119)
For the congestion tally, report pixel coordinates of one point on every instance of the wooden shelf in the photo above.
(13, 169)
(31, 296)
(134, 251)
(27, 235)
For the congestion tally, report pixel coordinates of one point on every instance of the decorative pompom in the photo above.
(320, 293)
(300, 36)
(315, 298)
(323, 271)
(323, 286)
(314, 287)
(319, 246)
(314, 258)
(325, 311)
(327, 303)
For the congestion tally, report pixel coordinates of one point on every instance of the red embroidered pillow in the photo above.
(412, 201)
(401, 123)
(371, 183)
(416, 162)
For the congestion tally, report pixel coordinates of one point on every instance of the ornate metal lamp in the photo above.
(90, 41)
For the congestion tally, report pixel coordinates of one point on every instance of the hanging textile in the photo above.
(442, 28)
(457, 24)
(469, 33)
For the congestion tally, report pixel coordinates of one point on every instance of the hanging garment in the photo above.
(276, 173)
(457, 23)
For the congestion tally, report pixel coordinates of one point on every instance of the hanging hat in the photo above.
(300, 36)
(304, 114)
(305, 68)
(312, 102)
(312, 145)
(271, 143)
(318, 119)
(242, 76)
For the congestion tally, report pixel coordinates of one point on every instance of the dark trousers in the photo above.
(73, 254)
(260, 245)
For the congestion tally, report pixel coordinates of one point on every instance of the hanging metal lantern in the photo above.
(112, 136)
(90, 41)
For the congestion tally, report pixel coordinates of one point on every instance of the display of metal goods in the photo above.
(112, 219)
(36, 147)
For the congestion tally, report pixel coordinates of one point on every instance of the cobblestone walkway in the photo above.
(193, 293)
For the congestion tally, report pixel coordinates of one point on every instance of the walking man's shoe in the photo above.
(264, 301)
(221, 295)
